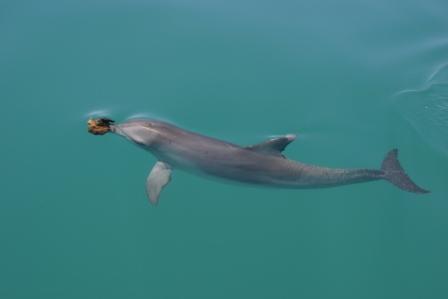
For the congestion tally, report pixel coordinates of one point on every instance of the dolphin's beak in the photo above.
(99, 126)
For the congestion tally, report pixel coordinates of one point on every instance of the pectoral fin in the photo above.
(273, 146)
(158, 178)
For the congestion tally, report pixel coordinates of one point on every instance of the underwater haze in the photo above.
(353, 79)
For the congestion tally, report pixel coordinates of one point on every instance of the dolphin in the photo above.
(260, 164)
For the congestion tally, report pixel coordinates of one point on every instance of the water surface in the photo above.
(352, 79)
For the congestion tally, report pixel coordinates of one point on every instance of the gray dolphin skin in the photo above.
(261, 164)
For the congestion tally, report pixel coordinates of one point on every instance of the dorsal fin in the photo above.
(274, 146)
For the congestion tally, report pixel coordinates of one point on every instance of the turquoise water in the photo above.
(352, 79)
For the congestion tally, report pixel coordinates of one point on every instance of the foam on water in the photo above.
(98, 113)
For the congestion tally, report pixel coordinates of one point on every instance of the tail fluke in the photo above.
(394, 173)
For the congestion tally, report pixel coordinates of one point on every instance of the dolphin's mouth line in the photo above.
(99, 126)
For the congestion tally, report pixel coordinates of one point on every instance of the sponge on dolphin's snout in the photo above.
(99, 126)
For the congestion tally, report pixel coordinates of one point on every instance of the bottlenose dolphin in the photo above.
(262, 164)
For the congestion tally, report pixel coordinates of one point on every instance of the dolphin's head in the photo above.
(141, 132)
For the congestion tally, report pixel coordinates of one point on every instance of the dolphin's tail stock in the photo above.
(394, 173)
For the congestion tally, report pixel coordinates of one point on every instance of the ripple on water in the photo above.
(426, 108)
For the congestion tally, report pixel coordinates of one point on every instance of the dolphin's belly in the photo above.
(253, 168)
(235, 164)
